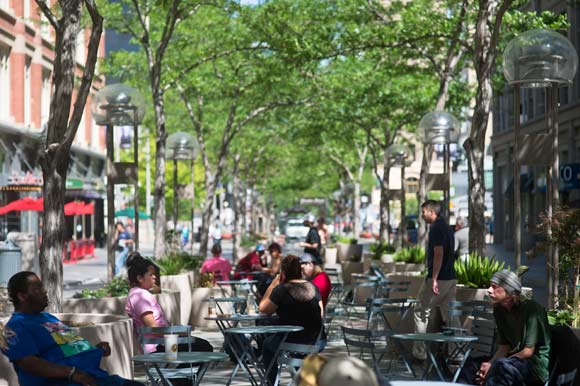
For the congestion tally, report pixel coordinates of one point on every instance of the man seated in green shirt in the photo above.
(523, 339)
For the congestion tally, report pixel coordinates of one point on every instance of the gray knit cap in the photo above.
(508, 280)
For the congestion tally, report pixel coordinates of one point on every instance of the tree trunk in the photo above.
(159, 214)
(62, 128)
(237, 207)
(384, 212)
(356, 225)
(54, 170)
(489, 20)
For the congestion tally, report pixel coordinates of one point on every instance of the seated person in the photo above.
(143, 307)
(312, 271)
(217, 265)
(250, 263)
(45, 351)
(297, 303)
(269, 272)
(523, 339)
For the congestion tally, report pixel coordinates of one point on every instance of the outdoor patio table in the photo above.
(203, 359)
(463, 342)
(245, 355)
(231, 321)
(237, 283)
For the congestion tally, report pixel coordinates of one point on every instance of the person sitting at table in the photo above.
(269, 272)
(143, 307)
(312, 271)
(250, 263)
(523, 339)
(44, 350)
(218, 266)
(297, 302)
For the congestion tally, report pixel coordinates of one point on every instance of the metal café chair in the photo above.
(369, 346)
(290, 357)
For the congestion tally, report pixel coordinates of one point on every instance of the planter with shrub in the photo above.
(413, 259)
(348, 249)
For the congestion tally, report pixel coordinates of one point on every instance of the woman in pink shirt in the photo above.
(217, 265)
(142, 306)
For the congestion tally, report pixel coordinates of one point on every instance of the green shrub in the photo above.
(178, 262)
(411, 255)
(119, 286)
(346, 240)
(477, 271)
(561, 317)
(381, 248)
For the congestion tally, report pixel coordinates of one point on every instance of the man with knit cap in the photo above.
(523, 339)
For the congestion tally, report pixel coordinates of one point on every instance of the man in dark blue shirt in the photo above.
(312, 243)
(438, 289)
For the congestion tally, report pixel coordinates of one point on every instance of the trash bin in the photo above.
(10, 261)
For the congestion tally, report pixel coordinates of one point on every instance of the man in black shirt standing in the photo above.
(438, 289)
(312, 244)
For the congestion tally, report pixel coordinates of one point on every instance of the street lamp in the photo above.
(183, 146)
(119, 105)
(442, 128)
(400, 155)
(539, 59)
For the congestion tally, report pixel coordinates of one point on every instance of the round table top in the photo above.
(182, 357)
(435, 337)
(233, 299)
(238, 317)
(263, 329)
(236, 282)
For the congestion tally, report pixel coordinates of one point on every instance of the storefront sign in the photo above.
(569, 176)
(25, 179)
(73, 183)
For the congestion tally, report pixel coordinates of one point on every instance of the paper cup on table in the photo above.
(170, 347)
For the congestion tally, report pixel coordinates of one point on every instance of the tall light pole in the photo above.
(539, 59)
(119, 105)
(400, 155)
(442, 128)
(183, 146)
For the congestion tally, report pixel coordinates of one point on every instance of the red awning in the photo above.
(26, 203)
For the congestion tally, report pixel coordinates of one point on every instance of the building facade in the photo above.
(533, 121)
(26, 61)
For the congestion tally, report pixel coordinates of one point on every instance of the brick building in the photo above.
(26, 60)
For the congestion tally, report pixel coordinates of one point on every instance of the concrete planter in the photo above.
(183, 284)
(330, 256)
(349, 268)
(416, 282)
(388, 258)
(347, 252)
(199, 308)
(115, 329)
(168, 299)
(400, 267)
(465, 293)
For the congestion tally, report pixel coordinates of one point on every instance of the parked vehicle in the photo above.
(295, 229)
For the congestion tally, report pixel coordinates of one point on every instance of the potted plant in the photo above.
(204, 289)
(377, 252)
(410, 259)
(348, 249)
(177, 272)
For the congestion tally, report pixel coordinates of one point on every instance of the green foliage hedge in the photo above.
(381, 248)
(412, 255)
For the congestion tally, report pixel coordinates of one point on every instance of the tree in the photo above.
(61, 130)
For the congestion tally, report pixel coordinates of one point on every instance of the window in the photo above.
(4, 83)
(541, 98)
(45, 98)
(27, 92)
(564, 100)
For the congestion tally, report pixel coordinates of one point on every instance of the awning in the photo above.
(130, 212)
(23, 204)
(75, 208)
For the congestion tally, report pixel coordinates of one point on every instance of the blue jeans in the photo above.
(503, 372)
(120, 260)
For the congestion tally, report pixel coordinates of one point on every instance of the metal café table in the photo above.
(463, 343)
(245, 355)
(225, 322)
(201, 359)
